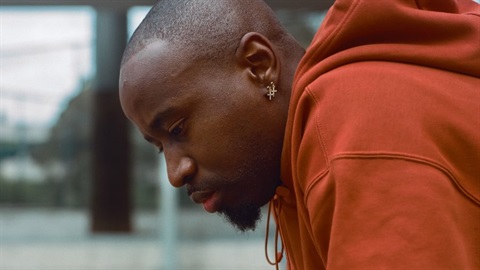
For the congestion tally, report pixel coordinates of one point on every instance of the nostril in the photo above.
(187, 179)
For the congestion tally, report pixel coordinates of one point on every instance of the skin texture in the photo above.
(221, 135)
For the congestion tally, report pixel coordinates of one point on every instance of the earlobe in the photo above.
(255, 54)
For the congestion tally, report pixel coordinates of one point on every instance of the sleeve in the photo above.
(392, 213)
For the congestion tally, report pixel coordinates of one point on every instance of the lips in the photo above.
(201, 196)
(207, 198)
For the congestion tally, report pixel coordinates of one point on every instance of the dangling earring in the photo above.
(271, 91)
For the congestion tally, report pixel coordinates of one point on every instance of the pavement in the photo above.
(56, 239)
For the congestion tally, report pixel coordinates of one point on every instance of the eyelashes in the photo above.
(177, 128)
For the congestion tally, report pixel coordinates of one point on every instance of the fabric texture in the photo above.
(381, 158)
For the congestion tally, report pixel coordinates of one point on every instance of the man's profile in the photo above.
(366, 145)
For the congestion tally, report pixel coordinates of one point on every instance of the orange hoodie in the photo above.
(381, 159)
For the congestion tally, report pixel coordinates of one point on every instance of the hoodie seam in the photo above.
(318, 126)
(473, 14)
(393, 156)
(320, 136)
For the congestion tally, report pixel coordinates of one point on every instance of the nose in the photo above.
(180, 170)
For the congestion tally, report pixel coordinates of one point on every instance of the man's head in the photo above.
(194, 81)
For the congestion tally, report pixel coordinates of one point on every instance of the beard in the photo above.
(244, 217)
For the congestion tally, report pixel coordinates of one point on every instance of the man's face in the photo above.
(220, 136)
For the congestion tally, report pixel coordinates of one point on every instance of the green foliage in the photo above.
(27, 193)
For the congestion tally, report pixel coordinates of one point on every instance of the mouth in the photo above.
(209, 200)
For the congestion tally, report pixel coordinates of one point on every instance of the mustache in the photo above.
(191, 189)
(210, 184)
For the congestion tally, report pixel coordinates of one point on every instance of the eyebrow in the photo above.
(148, 138)
(159, 119)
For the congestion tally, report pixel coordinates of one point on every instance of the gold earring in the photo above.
(271, 91)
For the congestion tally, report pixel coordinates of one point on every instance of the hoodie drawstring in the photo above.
(278, 255)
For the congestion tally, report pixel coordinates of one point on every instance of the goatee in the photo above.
(244, 218)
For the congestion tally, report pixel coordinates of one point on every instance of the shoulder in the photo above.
(396, 109)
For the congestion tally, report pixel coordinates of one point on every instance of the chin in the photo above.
(244, 217)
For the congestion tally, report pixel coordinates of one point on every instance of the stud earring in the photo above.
(271, 91)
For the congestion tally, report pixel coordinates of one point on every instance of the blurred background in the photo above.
(79, 187)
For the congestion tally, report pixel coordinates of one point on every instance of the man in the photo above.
(367, 146)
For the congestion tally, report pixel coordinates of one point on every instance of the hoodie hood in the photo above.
(383, 134)
(443, 34)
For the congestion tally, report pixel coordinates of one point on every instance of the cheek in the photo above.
(216, 150)
(217, 145)
(227, 135)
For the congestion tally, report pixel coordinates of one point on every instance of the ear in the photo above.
(256, 56)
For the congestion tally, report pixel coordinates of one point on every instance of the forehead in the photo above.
(156, 61)
(152, 79)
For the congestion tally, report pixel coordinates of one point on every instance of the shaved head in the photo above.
(210, 29)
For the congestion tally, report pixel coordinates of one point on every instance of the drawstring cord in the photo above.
(278, 255)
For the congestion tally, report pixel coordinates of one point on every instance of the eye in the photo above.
(177, 128)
